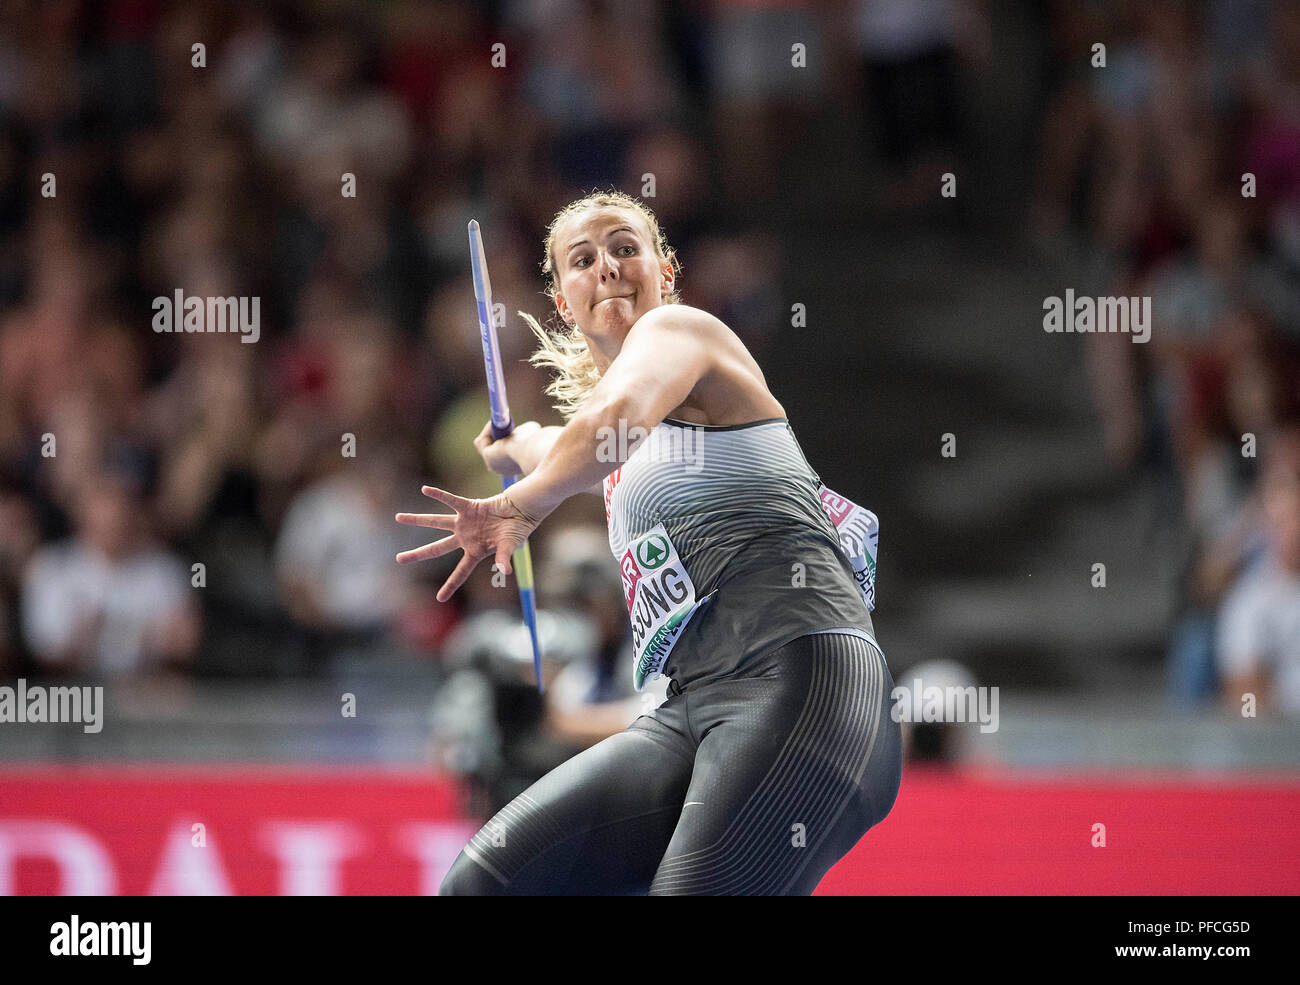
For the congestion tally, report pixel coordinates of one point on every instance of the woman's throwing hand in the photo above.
(502, 456)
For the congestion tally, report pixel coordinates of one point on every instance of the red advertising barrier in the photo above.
(256, 830)
(993, 833)
(183, 831)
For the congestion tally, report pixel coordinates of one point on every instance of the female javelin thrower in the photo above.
(775, 750)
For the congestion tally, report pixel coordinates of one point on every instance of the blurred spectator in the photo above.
(761, 99)
(109, 600)
(1194, 299)
(909, 51)
(738, 279)
(1259, 641)
(334, 555)
(596, 74)
(20, 537)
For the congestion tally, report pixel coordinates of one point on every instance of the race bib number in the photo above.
(660, 601)
(859, 531)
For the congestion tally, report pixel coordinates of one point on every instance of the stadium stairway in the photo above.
(931, 324)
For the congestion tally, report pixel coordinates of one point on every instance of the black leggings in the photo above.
(756, 783)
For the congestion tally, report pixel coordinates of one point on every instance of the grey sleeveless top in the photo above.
(725, 549)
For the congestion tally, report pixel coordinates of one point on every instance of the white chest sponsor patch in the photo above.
(660, 600)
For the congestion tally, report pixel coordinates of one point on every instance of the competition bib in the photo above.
(660, 600)
(858, 529)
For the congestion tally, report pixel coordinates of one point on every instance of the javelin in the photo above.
(502, 425)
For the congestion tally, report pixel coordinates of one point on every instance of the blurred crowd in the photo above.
(1180, 161)
(177, 506)
(191, 504)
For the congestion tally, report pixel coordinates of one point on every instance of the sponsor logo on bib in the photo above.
(660, 600)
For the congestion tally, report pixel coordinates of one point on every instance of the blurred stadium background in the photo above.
(228, 760)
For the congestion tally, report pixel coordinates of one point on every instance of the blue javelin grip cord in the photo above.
(502, 425)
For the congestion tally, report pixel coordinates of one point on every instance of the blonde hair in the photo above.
(566, 350)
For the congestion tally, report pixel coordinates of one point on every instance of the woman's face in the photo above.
(609, 272)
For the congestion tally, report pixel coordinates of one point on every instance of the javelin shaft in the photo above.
(502, 425)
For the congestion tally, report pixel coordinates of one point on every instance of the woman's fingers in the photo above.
(458, 577)
(479, 528)
(437, 549)
(443, 521)
(441, 495)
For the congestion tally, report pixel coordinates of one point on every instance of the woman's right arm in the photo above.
(541, 444)
(534, 448)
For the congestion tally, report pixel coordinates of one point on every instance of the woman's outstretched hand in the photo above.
(479, 527)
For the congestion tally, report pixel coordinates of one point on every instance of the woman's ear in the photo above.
(562, 307)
